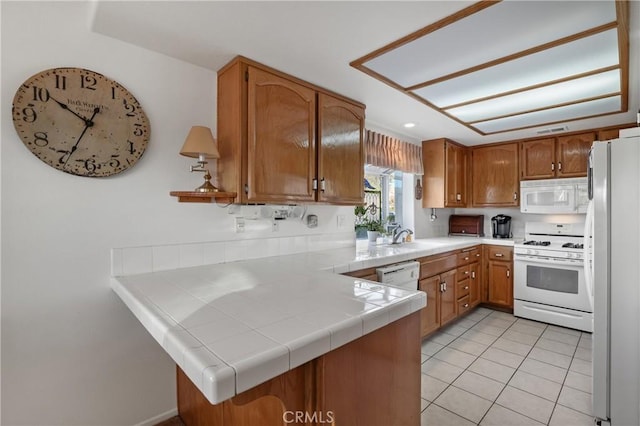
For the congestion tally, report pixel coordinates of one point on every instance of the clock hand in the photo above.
(65, 107)
(88, 123)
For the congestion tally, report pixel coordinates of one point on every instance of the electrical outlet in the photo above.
(239, 224)
(275, 226)
(340, 221)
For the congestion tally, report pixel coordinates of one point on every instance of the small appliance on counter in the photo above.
(501, 225)
(466, 225)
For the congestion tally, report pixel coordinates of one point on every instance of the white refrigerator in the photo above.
(613, 269)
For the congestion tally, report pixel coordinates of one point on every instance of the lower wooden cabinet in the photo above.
(430, 315)
(499, 281)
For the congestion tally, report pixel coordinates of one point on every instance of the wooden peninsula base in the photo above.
(374, 380)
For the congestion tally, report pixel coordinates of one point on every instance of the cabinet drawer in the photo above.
(463, 288)
(463, 305)
(468, 255)
(431, 267)
(463, 273)
(500, 253)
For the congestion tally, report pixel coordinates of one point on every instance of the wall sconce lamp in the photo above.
(201, 144)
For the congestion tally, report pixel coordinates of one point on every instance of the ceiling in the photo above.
(317, 41)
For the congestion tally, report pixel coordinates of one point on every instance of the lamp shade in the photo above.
(200, 142)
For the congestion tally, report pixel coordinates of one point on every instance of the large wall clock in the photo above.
(80, 122)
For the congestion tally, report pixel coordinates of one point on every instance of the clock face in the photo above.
(80, 122)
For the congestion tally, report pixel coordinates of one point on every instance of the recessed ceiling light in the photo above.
(409, 125)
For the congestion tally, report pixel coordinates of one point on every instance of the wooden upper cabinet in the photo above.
(445, 174)
(537, 159)
(559, 157)
(494, 176)
(270, 148)
(281, 139)
(572, 154)
(341, 151)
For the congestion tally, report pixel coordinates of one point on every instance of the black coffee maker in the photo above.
(501, 226)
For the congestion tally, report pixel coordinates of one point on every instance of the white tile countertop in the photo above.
(232, 326)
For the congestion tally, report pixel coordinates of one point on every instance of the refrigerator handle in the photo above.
(588, 251)
(590, 174)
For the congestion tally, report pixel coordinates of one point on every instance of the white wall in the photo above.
(72, 353)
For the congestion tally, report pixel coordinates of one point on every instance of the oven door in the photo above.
(550, 281)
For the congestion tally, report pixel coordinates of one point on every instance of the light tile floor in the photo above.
(491, 368)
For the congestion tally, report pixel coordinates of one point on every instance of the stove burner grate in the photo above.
(537, 243)
(573, 245)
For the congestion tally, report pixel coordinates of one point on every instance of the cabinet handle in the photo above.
(458, 197)
(466, 258)
(499, 254)
(441, 288)
(508, 273)
(477, 254)
(466, 272)
(515, 196)
(322, 185)
(315, 184)
(444, 285)
(466, 287)
(553, 167)
(473, 275)
(559, 165)
(466, 305)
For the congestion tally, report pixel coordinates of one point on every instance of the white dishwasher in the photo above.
(404, 275)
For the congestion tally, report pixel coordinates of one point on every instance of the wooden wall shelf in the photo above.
(204, 197)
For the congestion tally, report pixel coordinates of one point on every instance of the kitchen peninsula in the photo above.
(283, 335)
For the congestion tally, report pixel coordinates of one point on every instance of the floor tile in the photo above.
(503, 357)
(463, 403)
(576, 399)
(524, 338)
(479, 385)
(455, 357)
(496, 322)
(431, 387)
(579, 381)
(586, 341)
(511, 346)
(503, 315)
(564, 330)
(442, 338)
(500, 416)
(563, 416)
(466, 323)
(423, 404)
(536, 385)
(479, 337)
(429, 347)
(454, 330)
(559, 347)
(423, 358)
(581, 366)
(525, 403)
(492, 370)
(441, 370)
(532, 323)
(488, 329)
(526, 328)
(547, 371)
(438, 416)
(561, 337)
(584, 354)
(549, 357)
(468, 346)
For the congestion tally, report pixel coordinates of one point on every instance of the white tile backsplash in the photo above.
(138, 260)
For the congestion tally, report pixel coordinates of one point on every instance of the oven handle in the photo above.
(548, 260)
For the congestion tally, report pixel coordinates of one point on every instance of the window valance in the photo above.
(385, 151)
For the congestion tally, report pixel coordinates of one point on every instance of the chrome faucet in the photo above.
(397, 233)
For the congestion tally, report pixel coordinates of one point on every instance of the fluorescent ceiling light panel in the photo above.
(579, 89)
(581, 56)
(501, 66)
(554, 115)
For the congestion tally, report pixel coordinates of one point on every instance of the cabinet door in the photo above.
(281, 154)
(430, 315)
(500, 284)
(495, 179)
(538, 159)
(340, 152)
(573, 154)
(474, 284)
(456, 176)
(448, 298)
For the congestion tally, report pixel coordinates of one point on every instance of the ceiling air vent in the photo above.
(552, 130)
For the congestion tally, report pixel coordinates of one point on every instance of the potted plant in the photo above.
(374, 229)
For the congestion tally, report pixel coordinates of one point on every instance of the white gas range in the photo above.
(549, 276)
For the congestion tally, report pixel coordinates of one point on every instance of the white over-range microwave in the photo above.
(554, 196)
